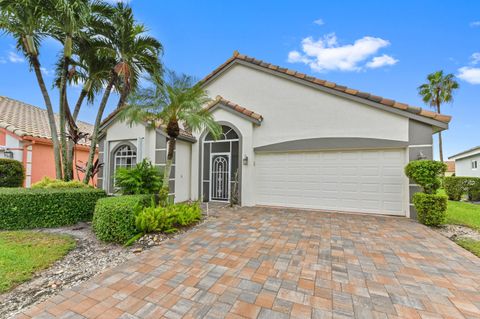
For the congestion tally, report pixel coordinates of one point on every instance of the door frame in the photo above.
(229, 158)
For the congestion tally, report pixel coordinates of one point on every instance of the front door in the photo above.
(220, 177)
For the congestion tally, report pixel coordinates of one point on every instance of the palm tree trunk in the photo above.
(440, 142)
(63, 116)
(96, 128)
(51, 116)
(79, 103)
(172, 141)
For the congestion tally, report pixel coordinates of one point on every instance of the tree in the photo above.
(25, 20)
(133, 53)
(437, 91)
(177, 102)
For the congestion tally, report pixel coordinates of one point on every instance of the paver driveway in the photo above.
(266, 263)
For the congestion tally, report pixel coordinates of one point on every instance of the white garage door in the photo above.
(355, 181)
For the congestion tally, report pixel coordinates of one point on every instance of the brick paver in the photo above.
(274, 263)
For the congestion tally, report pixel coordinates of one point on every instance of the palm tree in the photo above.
(132, 53)
(178, 102)
(438, 90)
(26, 21)
(68, 19)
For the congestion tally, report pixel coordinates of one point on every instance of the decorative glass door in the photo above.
(220, 177)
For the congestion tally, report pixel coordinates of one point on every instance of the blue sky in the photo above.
(380, 47)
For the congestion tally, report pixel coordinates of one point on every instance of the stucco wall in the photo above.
(294, 111)
(463, 166)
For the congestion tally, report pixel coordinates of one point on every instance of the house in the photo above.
(25, 136)
(450, 168)
(467, 163)
(289, 140)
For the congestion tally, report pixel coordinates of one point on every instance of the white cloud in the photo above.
(15, 58)
(46, 71)
(475, 58)
(469, 74)
(319, 22)
(379, 61)
(475, 24)
(326, 54)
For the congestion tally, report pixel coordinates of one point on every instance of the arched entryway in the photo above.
(221, 166)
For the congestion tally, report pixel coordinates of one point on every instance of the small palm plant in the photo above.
(438, 90)
(172, 104)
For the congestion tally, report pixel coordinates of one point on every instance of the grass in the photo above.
(471, 245)
(22, 253)
(463, 213)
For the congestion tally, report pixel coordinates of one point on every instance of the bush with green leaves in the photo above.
(167, 219)
(144, 178)
(473, 188)
(23, 208)
(114, 217)
(57, 183)
(12, 173)
(454, 187)
(427, 174)
(457, 186)
(431, 208)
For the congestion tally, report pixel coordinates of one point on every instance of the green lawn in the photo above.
(471, 245)
(22, 253)
(463, 213)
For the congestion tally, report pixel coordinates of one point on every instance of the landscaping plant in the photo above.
(114, 217)
(431, 208)
(457, 186)
(12, 173)
(58, 183)
(144, 178)
(23, 208)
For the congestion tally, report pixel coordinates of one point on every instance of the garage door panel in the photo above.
(358, 181)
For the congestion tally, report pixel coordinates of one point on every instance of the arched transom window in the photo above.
(125, 157)
(228, 134)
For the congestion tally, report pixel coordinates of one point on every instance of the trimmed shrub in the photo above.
(431, 208)
(35, 208)
(57, 183)
(426, 173)
(473, 188)
(454, 187)
(144, 178)
(12, 173)
(114, 217)
(457, 186)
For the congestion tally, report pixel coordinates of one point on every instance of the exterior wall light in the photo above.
(245, 160)
(421, 156)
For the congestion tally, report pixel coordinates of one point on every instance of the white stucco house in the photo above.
(467, 163)
(290, 140)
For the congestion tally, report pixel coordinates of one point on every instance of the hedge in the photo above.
(457, 186)
(12, 173)
(431, 208)
(114, 217)
(23, 208)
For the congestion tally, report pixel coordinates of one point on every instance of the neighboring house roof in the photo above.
(472, 151)
(237, 57)
(24, 120)
(110, 117)
(450, 166)
(220, 101)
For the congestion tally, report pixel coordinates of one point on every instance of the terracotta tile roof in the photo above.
(257, 117)
(331, 85)
(183, 133)
(24, 119)
(450, 166)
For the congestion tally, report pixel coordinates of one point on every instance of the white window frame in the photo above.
(132, 156)
(474, 164)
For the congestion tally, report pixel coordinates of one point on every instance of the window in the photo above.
(125, 157)
(474, 164)
(227, 134)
